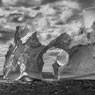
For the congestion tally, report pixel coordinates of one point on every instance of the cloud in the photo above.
(69, 3)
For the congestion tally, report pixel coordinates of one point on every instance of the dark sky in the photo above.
(83, 3)
(86, 3)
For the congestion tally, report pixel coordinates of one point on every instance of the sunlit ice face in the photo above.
(89, 16)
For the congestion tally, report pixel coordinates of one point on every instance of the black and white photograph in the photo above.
(47, 47)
